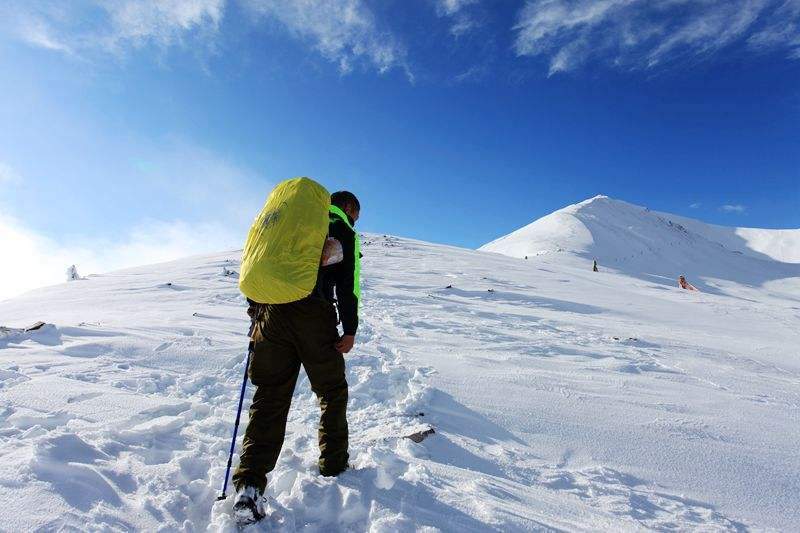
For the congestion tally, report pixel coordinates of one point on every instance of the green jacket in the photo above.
(341, 282)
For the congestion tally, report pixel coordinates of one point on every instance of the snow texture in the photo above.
(561, 398)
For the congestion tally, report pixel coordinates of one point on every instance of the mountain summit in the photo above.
(637, 241)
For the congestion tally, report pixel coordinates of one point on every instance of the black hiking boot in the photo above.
(248, 507)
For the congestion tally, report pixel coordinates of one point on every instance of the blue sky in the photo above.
(142, 130)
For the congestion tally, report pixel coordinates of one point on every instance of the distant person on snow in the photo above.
(594, 266)
(683, 284)
(284, 336)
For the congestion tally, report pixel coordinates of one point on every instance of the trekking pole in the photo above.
(235, 428)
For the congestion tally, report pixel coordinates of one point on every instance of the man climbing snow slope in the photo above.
(284, 336)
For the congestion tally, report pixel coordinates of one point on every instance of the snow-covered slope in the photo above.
(561, 399)
(779, 244)
(658, 246)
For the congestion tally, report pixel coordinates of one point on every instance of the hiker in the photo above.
(594, 266)
(284, 336)
(683, 284)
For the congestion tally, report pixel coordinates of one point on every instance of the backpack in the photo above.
(281, 257)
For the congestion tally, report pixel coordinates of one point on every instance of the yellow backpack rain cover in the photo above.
(280, 261)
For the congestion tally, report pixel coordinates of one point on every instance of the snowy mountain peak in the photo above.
(564, 229)
(644, 243)
(601, 201)
(597, 198)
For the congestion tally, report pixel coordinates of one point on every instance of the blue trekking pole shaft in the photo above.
(235, 428)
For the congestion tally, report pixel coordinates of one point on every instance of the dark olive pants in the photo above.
(284, 337)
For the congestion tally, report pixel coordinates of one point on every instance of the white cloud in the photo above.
(645, 34)
(696, 205)
(216, 198)
(733, 208)
(31, 259)
(462, 25)
(451, 7)
(111, 25)
(782, 30)
(462, 21)
(343, 31)
(163, 22)
(30, 23)
(473, 73)
(37, 33)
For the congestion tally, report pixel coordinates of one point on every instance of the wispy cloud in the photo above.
(343, 31)
(782, 30)
(164, 23)
(462, 21)
(451, 7)
(91, 26)
(630, 34)
(695, 205)
(733, 208)
(644, 34)
(473, 73)
(38, 33)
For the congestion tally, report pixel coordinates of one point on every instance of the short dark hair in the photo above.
(341, 198)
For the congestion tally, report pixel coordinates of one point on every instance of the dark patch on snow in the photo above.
(420, 436)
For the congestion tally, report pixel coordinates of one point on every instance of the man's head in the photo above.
(347, 202)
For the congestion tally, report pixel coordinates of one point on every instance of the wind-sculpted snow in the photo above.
(559, 398)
